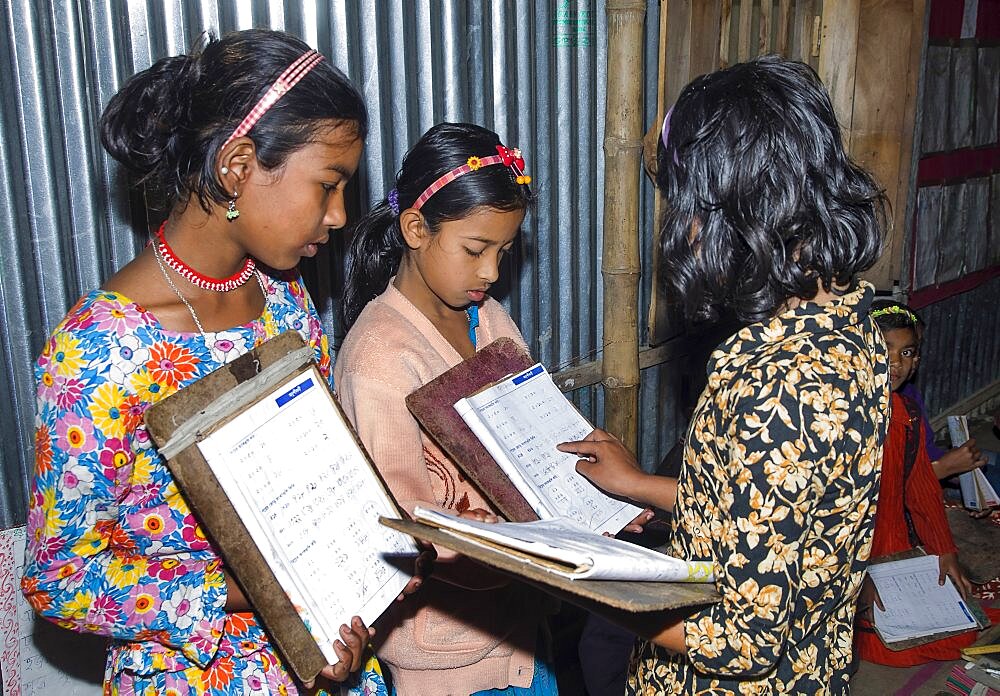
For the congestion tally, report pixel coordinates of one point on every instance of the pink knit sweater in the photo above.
(446, 639)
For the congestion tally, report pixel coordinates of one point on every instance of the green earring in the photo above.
(232, 213)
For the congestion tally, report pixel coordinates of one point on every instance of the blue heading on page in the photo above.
(299, 388)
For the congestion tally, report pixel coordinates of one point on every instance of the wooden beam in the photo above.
(784, 24)
(620, 265)
(693, 34)
(764, 28)
(743, 35)
(725, 29)
(890, 45)
(838, 58)
(588, 374)
(967, 405)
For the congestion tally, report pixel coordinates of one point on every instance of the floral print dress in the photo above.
(778, 489)
(113, 548)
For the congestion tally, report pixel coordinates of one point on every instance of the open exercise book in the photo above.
(519, 416)
(279, 480)
(567, 548)
(977, 492)
(917, 609)
(598, 573)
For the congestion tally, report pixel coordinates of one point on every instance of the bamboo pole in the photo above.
(620, 267)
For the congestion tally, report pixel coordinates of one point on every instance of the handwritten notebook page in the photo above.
(311, 502)
(915, 605)
(577, 552)
(520, 421)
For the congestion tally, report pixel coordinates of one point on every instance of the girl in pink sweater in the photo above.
(416, 304)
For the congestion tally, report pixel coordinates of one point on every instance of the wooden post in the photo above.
(620, 267)
(890, 43)
(838, 56)
(687, 50)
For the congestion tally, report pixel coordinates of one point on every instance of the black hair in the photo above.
(889, 314)
(167, 123)
(377, 246)
(754, 163)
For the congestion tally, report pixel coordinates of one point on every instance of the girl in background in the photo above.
(910, 502)
(249, 142)
(417, 303)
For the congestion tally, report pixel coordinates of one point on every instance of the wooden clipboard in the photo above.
(180, 421)
(976, 609)
(629, 596)
(433, 407)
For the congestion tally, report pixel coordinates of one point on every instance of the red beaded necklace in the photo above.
(198, 279)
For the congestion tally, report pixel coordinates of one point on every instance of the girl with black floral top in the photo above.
(768, 217)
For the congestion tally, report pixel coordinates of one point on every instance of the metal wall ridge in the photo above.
(533, 71)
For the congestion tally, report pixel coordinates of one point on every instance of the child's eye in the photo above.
(329, 187)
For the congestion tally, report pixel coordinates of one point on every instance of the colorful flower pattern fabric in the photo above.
(778, 489)
(113, 548)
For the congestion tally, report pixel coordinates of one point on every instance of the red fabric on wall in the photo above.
(947, 167)
(988, 20)
(945, 21)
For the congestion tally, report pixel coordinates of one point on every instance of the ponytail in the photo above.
(372, 258)
(147, 124)
(167, 123)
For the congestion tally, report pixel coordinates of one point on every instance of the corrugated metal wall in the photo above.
(532, 71)
(961, 352)
(955, 238)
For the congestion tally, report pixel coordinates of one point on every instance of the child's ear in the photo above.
(413, 227)
(235, 163)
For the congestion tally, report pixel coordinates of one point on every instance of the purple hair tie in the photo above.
(666, 126)
(393, 198)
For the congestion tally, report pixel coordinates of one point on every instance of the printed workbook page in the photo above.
(915, 604)
(520, 421)
(567, 548)
(310, 500)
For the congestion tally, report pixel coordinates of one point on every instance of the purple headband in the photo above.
(666, 126)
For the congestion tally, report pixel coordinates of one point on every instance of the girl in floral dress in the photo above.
(767, 217)
(249, 142)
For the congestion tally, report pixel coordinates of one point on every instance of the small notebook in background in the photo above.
(279, 480)
(917, 609)
(520, 420)
(977, 492)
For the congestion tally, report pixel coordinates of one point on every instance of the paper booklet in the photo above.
(567, 548)
(917, 609)
(520, 420)
(977, 492)
(284, 488)
(607, 598)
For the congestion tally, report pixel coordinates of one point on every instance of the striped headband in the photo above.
(286, 80)
(509, 157)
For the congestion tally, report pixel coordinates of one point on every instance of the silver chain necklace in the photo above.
(194, 315)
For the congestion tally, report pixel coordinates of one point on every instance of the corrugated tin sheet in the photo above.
(960, 353)
(533, 71)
